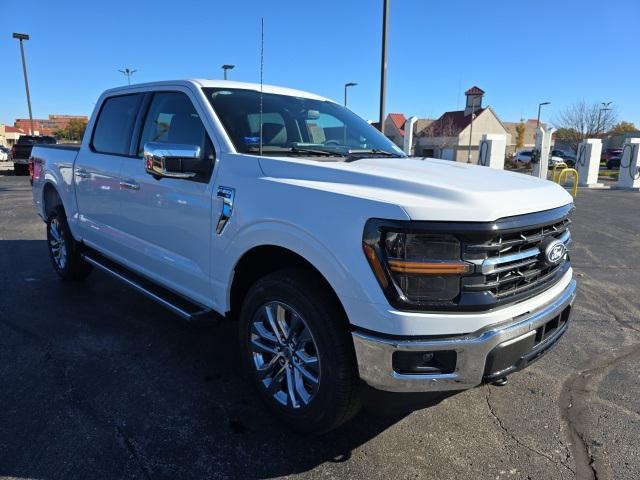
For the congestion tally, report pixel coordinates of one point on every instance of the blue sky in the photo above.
(519, 52)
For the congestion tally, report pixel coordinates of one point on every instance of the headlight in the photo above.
(414, 268)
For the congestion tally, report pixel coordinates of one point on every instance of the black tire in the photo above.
(337, 396)
(60, 243)
(20, 169)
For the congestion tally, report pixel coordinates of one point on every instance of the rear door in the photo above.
(167, 222)
(97, 172)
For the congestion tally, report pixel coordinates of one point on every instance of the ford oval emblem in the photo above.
(555, 252)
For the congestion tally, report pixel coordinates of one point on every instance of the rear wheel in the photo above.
(64, 251)
(298, 351)
(20, 169)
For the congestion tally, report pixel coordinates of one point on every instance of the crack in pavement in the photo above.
(520, 442)
(576, 390)
(130, 447)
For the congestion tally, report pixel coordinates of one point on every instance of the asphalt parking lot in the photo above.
(96, 381)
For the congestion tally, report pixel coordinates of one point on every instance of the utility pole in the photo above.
(226, 67)
(347, 85)
(21, 37)
(473, 114)
(127, 73)
(383, 61)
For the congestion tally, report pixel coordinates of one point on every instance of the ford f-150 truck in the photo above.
(342, 260)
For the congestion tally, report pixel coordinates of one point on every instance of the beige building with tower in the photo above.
(448, 136)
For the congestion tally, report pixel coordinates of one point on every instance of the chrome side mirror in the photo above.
(172, 160)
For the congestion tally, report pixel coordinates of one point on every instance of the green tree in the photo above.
(76, 128)
(520, 135)
(622, 128)
(60, 133)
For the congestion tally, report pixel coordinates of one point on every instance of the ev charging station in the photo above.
(492, 149)
(629, 176)
(543, 145)
(408, 134)
(588, 162)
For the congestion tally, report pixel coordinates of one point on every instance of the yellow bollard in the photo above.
(565, 172)
(555, 169)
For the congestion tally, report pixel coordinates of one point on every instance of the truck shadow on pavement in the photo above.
(96, 381)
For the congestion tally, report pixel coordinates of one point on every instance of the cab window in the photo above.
(172, 118)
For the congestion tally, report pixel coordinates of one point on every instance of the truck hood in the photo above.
(427, 189)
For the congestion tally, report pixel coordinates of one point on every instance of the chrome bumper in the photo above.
(375, 354)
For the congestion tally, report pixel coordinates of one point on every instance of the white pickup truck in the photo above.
(343, 260)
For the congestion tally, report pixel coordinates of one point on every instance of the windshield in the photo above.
(294, 125)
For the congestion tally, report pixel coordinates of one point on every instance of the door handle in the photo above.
(82, 173)
(130, 185)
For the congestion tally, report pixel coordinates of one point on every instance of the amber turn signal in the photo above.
(370, 253)
(429, 268)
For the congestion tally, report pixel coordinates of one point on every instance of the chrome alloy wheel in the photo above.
(57, 244)
(284, 355)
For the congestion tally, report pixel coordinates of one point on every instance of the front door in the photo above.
(97, 172)
(168, 221)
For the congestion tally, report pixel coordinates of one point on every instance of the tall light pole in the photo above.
(226, 67)
(347, 85)
(127, 73)
(383, 61)
(21, 37)
(473, 114)
(605, 108)
(539, 108)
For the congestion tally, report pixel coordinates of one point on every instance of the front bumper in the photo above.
(485, 355)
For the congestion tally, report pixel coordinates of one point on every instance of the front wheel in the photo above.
(298, 351)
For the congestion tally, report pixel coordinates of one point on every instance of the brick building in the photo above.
(49, 125)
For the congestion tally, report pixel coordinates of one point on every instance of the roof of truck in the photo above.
(205, 83)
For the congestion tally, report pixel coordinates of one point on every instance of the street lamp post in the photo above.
(347, 85)
(539, 108)
(21, 37)
(605, 108)
(383, 61)
(127, 73)
(226, 67)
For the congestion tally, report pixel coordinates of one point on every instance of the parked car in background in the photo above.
(553, 160)
(614, 163)
(5, 153)
(21, 151)
(424, 276)
(524, 156)
(567, 157)
(609, 153)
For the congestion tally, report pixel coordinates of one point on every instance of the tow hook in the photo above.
(501, 382)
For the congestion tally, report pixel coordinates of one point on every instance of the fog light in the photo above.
(431, 363)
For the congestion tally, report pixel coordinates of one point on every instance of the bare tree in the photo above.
(583, 120)
(443, 133)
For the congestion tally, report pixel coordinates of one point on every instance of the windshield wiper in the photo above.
(286, 150)
(369, 153)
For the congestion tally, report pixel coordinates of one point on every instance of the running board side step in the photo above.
(168, 299)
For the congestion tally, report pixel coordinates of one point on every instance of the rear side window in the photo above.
(112, 133)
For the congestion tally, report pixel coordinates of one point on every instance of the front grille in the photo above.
(510, 264)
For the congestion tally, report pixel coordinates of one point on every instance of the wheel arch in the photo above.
(264, 259)
(50, 198)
